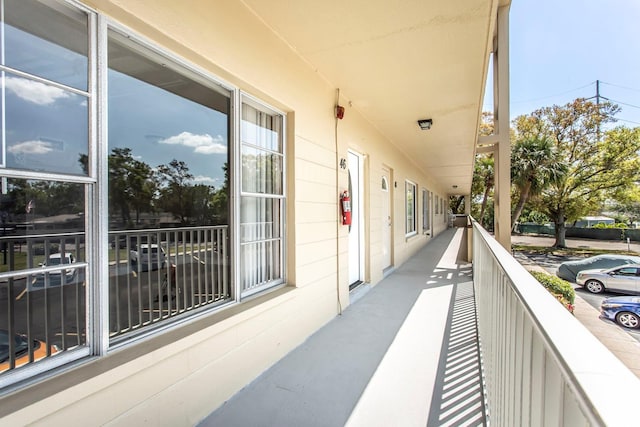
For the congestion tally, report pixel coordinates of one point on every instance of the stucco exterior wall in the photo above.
(180, 378)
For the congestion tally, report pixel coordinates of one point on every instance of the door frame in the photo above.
(352, 154)
(387, 173)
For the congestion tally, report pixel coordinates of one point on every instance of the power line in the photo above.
(622, 87)
(628, 121)
(553, 96)
(620, 102)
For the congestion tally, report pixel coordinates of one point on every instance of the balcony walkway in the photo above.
(406, 353)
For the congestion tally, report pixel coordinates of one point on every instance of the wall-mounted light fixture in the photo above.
(425, 124)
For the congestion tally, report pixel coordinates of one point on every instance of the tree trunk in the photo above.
(560, 231)
(458, 204)
(524, 196)
(484, 206)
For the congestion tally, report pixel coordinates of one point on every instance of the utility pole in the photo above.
(598, 105)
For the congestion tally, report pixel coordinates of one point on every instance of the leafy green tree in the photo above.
(200, 197)
(598, 161)
(626, 204)
(220, 200)
(131, 185)
(176, 195)
(483, 182)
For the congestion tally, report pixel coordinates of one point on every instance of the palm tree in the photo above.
(534, 166)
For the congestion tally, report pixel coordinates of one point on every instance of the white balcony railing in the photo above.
(541, 366)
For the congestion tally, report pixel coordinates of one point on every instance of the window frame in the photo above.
(253, 101)
(49, 366)
(426, 221)
(96, 193)
(411, 223)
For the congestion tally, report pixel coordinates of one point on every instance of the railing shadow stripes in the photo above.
(458, 396)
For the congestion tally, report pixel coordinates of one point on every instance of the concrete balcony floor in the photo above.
(405, 353)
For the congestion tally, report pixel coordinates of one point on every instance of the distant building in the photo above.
(590, 221)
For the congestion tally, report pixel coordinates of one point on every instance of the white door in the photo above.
(386, 218)
(356, 255)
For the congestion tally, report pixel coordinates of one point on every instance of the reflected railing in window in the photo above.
(157, 275)
(43, 297)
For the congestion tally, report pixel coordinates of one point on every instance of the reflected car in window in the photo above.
(21, 351)
(147, 256)
(625, 279)
(55, 277)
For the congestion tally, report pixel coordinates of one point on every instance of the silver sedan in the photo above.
(624, 278)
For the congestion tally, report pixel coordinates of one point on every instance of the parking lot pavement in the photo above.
(615, 338)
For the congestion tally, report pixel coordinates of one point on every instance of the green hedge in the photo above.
(556, 286)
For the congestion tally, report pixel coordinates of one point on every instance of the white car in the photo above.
(55, 277)
(147, 257)
(624, 278)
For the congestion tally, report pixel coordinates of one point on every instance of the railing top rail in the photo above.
(168, 229)
(41, 236)
(42, 270)
(590, 368)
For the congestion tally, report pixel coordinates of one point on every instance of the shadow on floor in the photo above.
(321, 382)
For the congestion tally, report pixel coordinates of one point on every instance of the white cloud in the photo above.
(36, 92)
(203, 144)
(202, 179)
(31, 147)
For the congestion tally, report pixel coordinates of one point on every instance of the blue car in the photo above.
(624, 310)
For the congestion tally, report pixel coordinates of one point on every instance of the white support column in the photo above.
(502, 193)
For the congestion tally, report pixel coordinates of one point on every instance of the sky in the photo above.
(559, 48)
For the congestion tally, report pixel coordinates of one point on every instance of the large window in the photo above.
(46, 185)
(410, 203)
(169, 198)
(160, 200)
(45, 88)
(425, 210)
(261, 210)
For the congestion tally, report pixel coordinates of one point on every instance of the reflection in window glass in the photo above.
(49, 42)
(425, 210)
(410, 199)
(46, 127)
(168, 143)
(43, 227)
(169, 201)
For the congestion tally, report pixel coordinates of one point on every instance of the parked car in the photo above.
(624, 310)
(625, 278)
(569, 269)
(148, 256)
(55, 277)
(21, 350)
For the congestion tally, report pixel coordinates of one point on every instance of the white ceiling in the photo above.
(400, 61)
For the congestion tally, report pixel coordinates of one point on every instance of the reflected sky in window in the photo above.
(159, 122)
(46, 42)
(46, 127)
